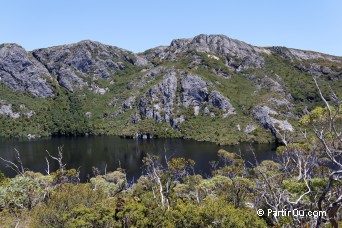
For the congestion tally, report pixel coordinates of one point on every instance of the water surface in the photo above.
(113, 152)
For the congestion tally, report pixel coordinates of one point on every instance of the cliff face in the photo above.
(20, 71)
(209, 87)
(78, 65)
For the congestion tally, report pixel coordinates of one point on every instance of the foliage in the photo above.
(110, 183)
(66, 205)
(22, 192)
(2, 177)
(56, 200)
(65, 176)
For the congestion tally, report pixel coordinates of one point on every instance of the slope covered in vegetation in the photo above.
(208, 88)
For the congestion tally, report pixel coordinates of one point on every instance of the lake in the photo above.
(113, 152)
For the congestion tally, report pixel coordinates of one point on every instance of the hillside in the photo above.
(207, 88)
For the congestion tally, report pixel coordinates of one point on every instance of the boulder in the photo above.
(221, 102)
(263, 115)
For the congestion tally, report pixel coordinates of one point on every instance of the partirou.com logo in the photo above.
(294, 212)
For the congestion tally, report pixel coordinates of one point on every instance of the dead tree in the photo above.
(154, 172)
(59, 158)
(330, 139)
(17, 166)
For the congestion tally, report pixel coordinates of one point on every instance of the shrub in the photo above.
(111, 183)
(22, 192)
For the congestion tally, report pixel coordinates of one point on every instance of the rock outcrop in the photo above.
(209, 87)
(237, 55)
(221, 102)
(317, 70)
(7, 111)
(309, 55)
(21, 72)
(194, 90)
(263, 114)
(161, 101)
(86, 60)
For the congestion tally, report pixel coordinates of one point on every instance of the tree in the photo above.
(308, 175)
(331, 141)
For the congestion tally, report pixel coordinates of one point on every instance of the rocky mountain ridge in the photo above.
(209, 87)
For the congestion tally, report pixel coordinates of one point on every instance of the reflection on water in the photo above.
(113, 152)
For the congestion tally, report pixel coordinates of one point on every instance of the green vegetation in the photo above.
(300, 85)
(84, 112)
(34, 200)
(171, 194)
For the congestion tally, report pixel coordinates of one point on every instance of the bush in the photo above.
(22, 192)
(2, 177)
(67, 207)
(111, 183)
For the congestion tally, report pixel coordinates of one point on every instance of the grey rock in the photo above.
(135, 118)
(31, 136)
(69, 79)
(282, 102)
(101, 91)
(21, 72)
(268, 83)
(238, 127)
(271, 84)
(206, 111)
(232, 50)
(7, 111)
(157, 117)
(115, 114)
(128, 103)
(326, 70)
(237, 55)
(88, 114)
(221, 74)
(140, 61)
(263, 115)
(160, 52)
(196, 110)
(176, 121)
(284, 53)
(97, 89)
(160, 98)
(250, 128)
(282, 124)
(140, 82)
(314, 69)
(308, 55)
(194, 90)
(113, 102)
(83, 60)
(221, 102)
(335, 77)
(29, 114)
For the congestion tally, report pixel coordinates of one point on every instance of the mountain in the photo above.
(207, 88)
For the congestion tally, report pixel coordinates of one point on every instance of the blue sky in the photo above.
(138, 25)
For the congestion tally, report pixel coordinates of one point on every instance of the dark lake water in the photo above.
(114, 152)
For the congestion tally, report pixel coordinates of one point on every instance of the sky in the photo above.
(139, 25)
